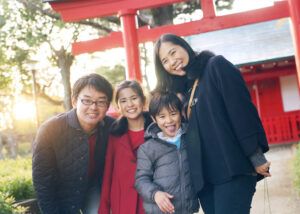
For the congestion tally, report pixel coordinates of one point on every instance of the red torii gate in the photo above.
(130, 37)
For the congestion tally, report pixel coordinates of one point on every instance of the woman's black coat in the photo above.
(224, 127)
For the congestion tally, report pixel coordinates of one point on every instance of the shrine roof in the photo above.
(248, 44)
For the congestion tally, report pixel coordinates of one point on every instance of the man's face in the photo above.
(91, 106)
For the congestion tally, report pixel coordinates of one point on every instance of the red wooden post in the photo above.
(208, 8)
(294, 7)
(130, 42)
(257, 99)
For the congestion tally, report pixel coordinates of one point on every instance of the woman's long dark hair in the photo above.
(120, 126)
(166, 81)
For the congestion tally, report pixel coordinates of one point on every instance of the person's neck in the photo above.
(88, 129)
(136, 124)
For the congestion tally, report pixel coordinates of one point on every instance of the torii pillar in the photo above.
(131, 44)
(294, 7)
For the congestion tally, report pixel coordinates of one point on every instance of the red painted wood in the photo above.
(208, 8)
(273, 73)
(279, 10)
(112, 40)
(294, 8)
(270, 97)
(282, 128)
(264, 87)
(131, 45)
(266, 96)
(78, 9)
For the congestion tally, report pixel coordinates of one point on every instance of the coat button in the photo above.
(133, 161)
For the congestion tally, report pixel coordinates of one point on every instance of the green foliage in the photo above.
(296, 169)
(24, 149)
(7, 205)
(16, 179)
(114, 75)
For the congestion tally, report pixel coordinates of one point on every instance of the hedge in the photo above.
(15, 184)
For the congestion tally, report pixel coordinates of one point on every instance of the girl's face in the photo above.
(169, 121)
(130, 104)
(173, 58)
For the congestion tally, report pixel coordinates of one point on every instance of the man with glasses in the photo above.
(69, 151)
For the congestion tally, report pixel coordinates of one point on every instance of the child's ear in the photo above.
(153, 119)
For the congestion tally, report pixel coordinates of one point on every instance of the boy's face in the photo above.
(169, 121)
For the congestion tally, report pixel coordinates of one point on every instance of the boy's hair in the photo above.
(162, 100)
(95, 81)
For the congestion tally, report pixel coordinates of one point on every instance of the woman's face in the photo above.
(130, 104)
(173, 58)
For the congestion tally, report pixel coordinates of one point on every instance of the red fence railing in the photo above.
(283, 129)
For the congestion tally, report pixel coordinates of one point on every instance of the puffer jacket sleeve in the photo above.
(241, 111)
(144, 175)
(44, 170)
(105, 203)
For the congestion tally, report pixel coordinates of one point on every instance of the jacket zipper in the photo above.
(181, 179)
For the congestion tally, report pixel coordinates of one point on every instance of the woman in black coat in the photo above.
(227, 140)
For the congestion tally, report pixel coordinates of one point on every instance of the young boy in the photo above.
(163, 177)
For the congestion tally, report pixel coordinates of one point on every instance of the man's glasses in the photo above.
(99, 103)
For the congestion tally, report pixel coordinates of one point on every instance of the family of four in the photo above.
(200, 142)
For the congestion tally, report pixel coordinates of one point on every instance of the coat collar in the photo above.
(153, 130)
(196, 65)
(120, 126)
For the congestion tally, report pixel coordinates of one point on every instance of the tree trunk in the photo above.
(145, 58)
(64, 62)
(163, 15)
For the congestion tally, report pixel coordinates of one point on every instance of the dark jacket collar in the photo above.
(196, 65)
(153, 130)
(120, 126)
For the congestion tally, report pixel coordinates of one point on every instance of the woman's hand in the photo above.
(264, 169)
(162, 200)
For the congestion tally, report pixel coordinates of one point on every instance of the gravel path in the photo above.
(282, 196)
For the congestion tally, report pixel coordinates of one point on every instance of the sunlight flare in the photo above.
(24, 110)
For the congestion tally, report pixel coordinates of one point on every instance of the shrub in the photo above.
(7, 205)
(16, 179)
(296, 169)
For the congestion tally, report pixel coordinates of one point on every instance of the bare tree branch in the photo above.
(43, 95)
(50, 13)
